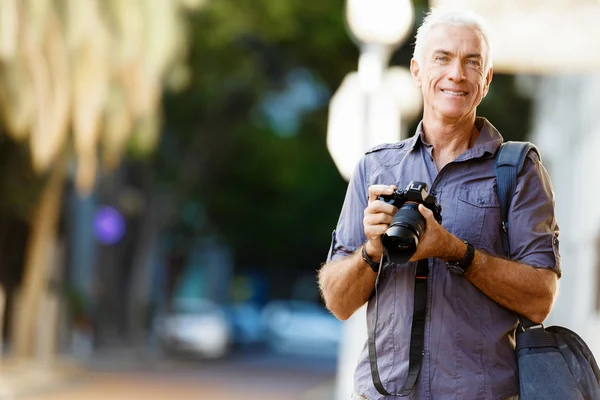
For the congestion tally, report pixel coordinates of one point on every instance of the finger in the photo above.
(377, 190)
(375, 231)
(379, 218)
(380, 207)
(425, 212)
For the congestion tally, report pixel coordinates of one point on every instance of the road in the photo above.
(250, 376)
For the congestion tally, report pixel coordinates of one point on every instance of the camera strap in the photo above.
(417, 334)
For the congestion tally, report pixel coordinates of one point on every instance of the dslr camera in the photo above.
(402, 237)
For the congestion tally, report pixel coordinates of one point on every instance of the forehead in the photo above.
(455, 38)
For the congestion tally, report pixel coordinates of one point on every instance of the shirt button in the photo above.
(481, 201)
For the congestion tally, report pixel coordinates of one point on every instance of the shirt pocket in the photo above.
(478, 216)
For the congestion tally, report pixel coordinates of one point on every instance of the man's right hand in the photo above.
(377, 220)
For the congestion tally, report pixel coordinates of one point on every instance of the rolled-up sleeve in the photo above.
(349, 233)
(532, 227)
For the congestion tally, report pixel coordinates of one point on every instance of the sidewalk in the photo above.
(21, 378)
(66, 379)
(325, 391)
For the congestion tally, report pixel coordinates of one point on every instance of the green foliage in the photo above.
(274, 198)
(506, 109)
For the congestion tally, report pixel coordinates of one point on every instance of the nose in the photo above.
(456, 73)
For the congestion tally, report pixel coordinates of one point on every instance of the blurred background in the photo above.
(171, 172)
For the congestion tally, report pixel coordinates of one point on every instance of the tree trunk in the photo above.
(39, 257)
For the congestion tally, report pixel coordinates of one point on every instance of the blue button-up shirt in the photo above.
(469, 339)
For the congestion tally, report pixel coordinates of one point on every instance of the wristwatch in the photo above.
(459, 267)
(373, 264)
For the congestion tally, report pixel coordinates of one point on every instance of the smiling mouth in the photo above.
(454, 93)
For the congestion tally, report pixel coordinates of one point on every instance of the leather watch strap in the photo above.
(459, 267)
(373, 264)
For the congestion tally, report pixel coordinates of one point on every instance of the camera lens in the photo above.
(402, 237)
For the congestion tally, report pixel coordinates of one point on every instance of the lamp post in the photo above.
(366, 111)
(378, 27)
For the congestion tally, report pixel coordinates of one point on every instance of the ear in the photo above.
(414, 71)
(488, 80)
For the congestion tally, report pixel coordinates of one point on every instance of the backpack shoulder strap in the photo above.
(510, 159)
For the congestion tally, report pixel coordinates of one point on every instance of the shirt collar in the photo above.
(488, 141)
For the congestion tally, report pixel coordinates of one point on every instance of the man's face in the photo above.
(452, 76)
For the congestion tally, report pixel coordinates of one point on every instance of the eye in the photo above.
(475, 63)
(442, 58)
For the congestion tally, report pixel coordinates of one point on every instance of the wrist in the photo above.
(461, 266)
(374, 250)
(454, 250)
(374, 265)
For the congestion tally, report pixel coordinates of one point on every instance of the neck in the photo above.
(449, 139)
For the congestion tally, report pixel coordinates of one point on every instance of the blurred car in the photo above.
(198, 327)
(301, 327)
(245, 319)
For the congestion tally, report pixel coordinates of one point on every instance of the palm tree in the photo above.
(79, 78)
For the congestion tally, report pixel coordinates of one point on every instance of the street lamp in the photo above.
(380, 21)
(378, 27)
(363, 112)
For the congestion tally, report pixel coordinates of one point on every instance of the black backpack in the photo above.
(554, 362)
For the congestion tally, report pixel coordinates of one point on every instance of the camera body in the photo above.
(402, 237)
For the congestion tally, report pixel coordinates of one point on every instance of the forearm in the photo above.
(346, 284)
(521, 288)
(526, 290)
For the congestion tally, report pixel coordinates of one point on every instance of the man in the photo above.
(468, 350)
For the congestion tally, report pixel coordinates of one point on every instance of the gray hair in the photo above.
(457, 17)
